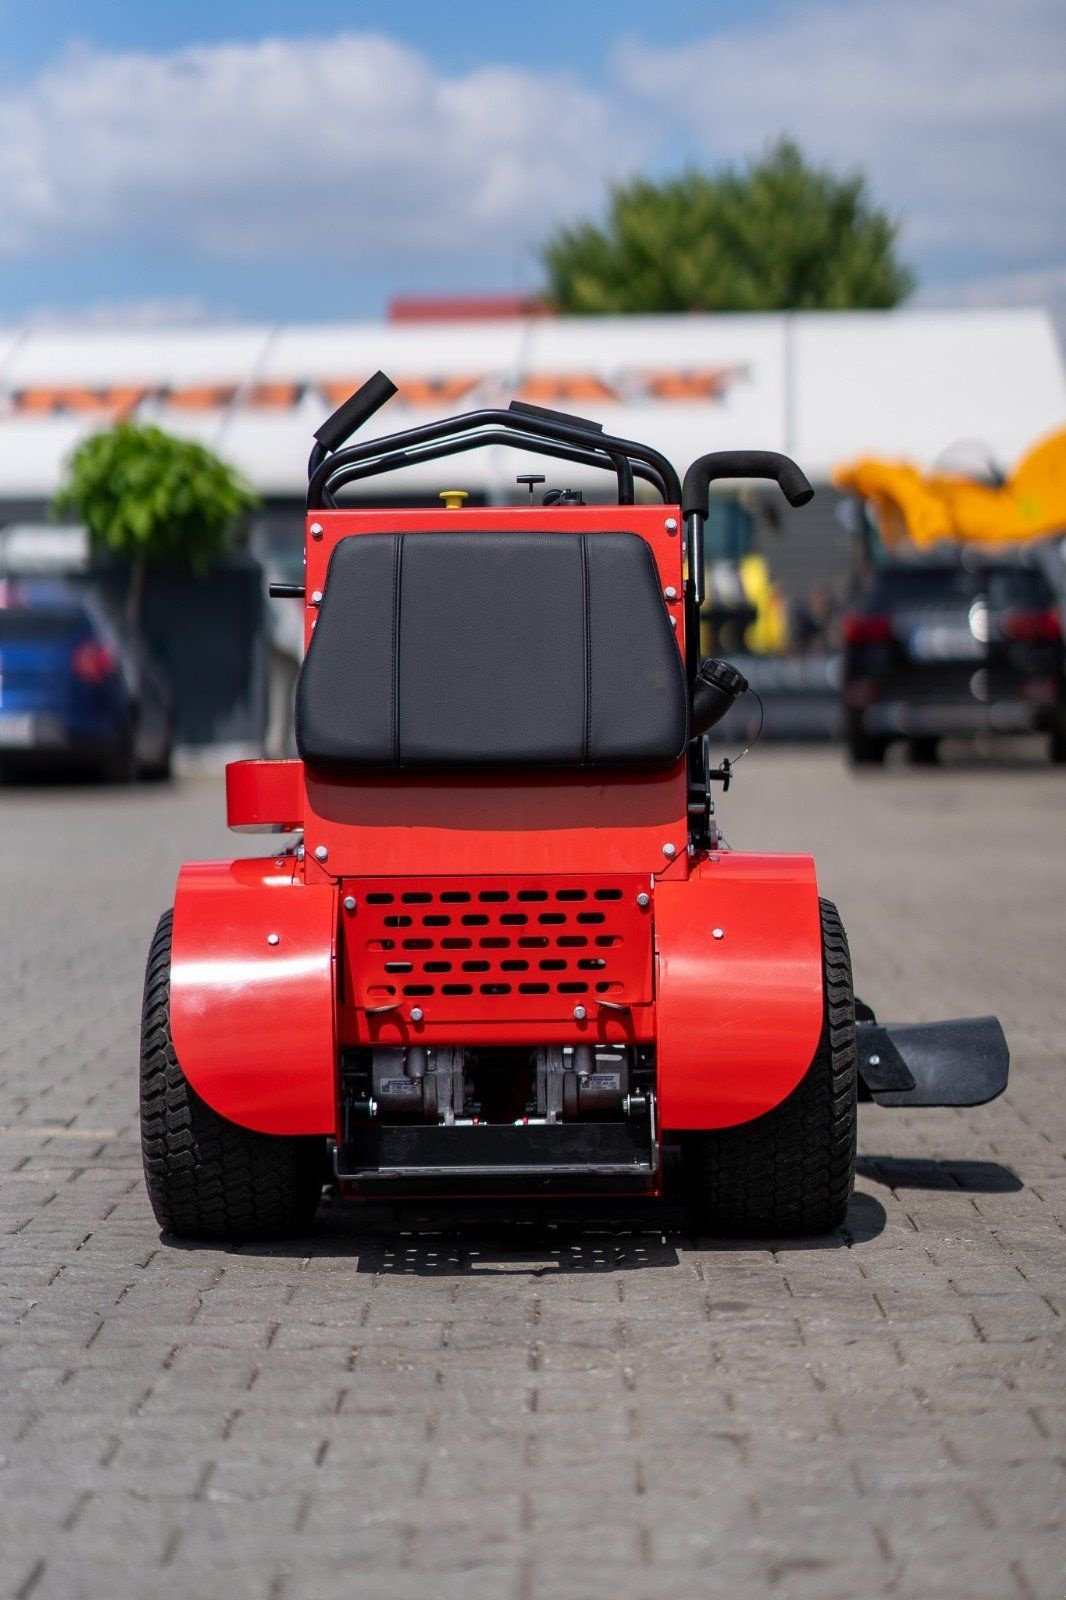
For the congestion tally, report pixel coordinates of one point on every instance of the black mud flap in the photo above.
(962, 1063)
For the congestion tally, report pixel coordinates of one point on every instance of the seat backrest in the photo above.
(474, 649)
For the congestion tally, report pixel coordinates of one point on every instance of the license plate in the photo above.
(943, 642)
(16, 731)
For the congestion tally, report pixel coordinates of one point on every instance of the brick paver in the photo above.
(507, 1403)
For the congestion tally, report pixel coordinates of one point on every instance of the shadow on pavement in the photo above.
(971, 1177)
(470, 1239)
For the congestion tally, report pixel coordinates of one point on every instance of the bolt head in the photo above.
(671, 524)
(669, 851)
(321, 853)
(316, 530)
(874, 1061)
(670, 592)
(643, 899)
(316, 598)
(718, 933)
(349, 902)
(273, 938)
(580, 1013)
(416, 1013)
(300, 852)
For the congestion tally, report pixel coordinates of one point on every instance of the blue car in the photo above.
(77, 688)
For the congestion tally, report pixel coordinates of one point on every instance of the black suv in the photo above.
(942, 648)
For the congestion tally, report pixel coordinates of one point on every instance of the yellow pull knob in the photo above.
(453, 498)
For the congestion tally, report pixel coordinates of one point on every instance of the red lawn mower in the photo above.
(507, 952)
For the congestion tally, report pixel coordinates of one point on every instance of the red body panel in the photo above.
(738, 1016)
(253, 1022)
(496, 960)
(265, 796)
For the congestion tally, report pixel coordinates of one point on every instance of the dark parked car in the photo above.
(78, 688)
(942, 648)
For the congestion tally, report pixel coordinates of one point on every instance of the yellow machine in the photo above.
(927, 508)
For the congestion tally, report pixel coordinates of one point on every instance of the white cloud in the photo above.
(352, 147)
(357, 150)
(184, 311)
(955, 108)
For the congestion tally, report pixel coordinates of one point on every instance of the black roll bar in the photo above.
(392, 461)
(534, 429)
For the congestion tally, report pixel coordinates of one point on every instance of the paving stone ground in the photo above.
(509, 1405)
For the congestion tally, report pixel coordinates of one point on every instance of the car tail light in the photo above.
(94, 662)
(858, 628)
(1032, 627)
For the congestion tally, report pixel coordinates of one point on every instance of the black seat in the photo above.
(483, 649)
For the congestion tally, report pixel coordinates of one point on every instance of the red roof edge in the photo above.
(464, 308)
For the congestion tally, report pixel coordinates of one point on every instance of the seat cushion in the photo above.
(482, 649)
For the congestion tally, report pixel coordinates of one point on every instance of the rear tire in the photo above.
(120, 767)
(790, 1172)
(923, 752)
(863, 749)
(207, 1177)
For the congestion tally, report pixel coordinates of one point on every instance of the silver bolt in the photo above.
(316, 530)
(712, 858)
(718, 933)
(671, 524)
(671, 593)
(875, 1061)
(273, 938)
(300, 852)
(416, 1013)
(643, 899)
(321, 853)
(670, 850)
(580, 1013)
(316, 598)
(349, 902)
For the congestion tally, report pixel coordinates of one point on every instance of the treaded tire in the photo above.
(790, 1172)
(864, 751)
(207, 1177)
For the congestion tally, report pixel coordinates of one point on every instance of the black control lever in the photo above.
(790, 479)
(357, 409)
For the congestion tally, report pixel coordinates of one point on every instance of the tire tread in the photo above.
(207, 1177)
(790, 1172)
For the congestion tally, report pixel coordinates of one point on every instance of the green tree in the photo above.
(777, 234)
(149, 497)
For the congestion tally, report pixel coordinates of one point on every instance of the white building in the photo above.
(821, 386)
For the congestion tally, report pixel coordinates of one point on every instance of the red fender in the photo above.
(252, 993)
(739, 1016)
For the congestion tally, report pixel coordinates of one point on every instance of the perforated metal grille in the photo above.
(503, 947)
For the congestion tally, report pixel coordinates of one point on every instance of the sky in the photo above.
(219, 158)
